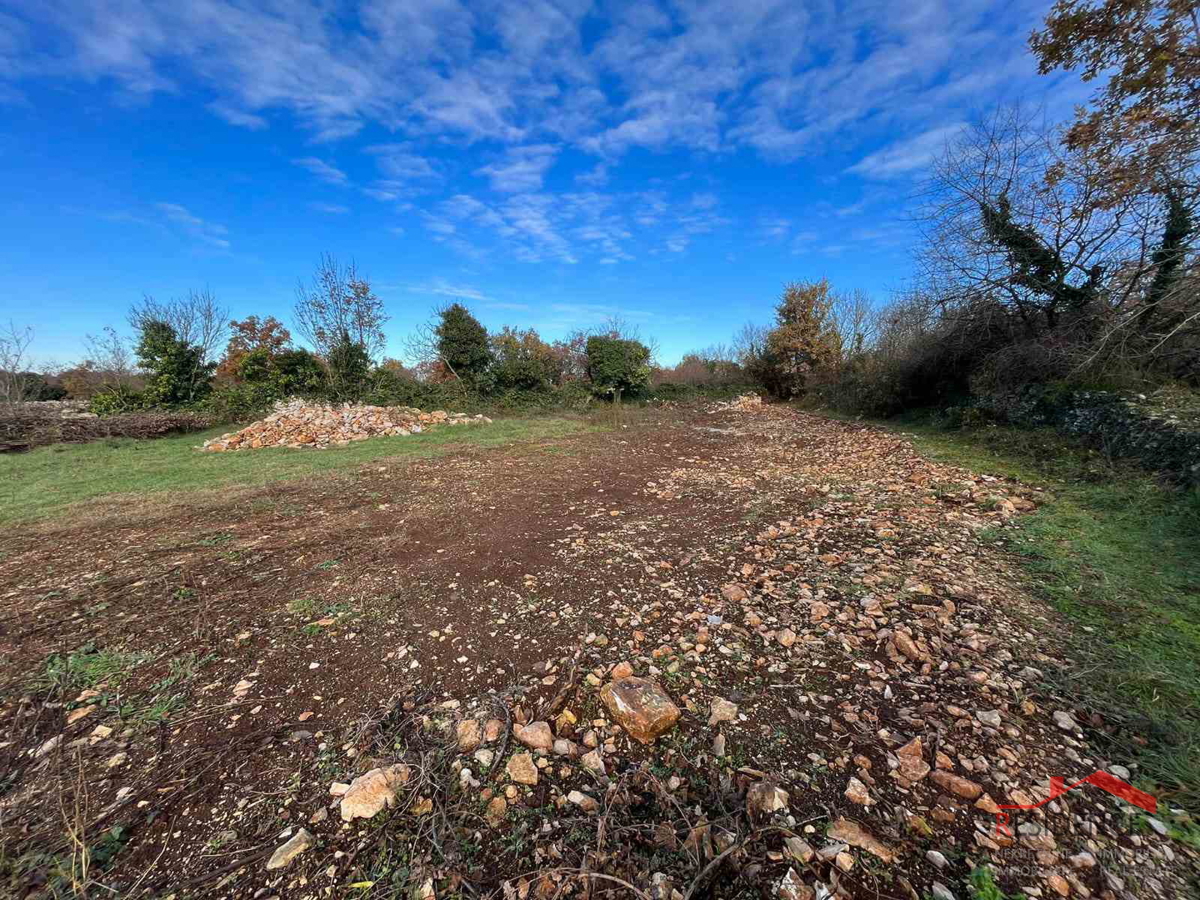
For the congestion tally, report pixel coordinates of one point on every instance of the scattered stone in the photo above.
(734, 593)
(522, 770)
(1064, 721)
(593, 762)
(937, 858)
(722, 711)
(718, 746)
(583, 801)
(791, 887)
(786, 637)
(941, 892)
(856, 792)
(764, 798)
(536, 735)
(497, 809)
(956, 784)
(1059, 885)
(641, 707)
(82, 713)
(856, 836)
(990, 718)
(284, 854)
(912, 762)
(468, 735)
(373, 791)
(622, 670)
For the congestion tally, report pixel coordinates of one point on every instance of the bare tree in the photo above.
(197, 319)
(111, 356)
(854, 320)
(15, 387)
(1022, 230)
(339, 304)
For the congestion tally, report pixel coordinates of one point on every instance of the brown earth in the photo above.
(889, 673)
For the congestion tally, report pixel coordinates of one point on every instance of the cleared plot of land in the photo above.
(46, 481)
(859, 670)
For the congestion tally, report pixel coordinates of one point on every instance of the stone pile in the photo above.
(744, 403)
(296, 423)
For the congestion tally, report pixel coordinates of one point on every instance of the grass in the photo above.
(1119, 554)
(47, 482)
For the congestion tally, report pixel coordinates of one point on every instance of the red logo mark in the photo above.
(1100, 779)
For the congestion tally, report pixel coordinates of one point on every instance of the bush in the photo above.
(617, 367)
(117, 399)
(239, 402)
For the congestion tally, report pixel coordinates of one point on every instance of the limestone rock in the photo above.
(641, 707)
(536, 735)
(373, 791)
(856, 836)
(285, 853)
(522, 770)
(956, 784)
(468, 735)
(722, 711)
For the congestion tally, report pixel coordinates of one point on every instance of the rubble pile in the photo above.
(296, 423)
(742, 403)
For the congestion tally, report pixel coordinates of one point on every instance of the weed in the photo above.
(85, 668)
(982, 885)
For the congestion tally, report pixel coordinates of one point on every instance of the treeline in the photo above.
(188, 354)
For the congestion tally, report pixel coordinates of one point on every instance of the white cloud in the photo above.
(907, 156)
(521, 170)
(779, 77)
(443, 288)
(238, 117)
(209, 233)
(705, 200)
(323, 170)
(333, 209)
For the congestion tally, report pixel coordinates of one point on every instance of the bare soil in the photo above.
(295, 636)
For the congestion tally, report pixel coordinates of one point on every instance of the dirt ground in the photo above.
(184, 684)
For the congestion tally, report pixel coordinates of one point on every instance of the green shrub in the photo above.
(116, 399)
(617, 367)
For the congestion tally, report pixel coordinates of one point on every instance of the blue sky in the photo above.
(548, 162)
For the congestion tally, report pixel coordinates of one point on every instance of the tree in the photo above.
(805, 337)
(177, 372)
(522, 360)
(1143, 126)
(197, 325)
(349, 369)
(14, 349)
(462, 343)
(339, 303)
(298, 372)
(617, 366)
(250, 334)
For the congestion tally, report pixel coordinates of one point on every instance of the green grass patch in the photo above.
(46, 482)
(1119, 554)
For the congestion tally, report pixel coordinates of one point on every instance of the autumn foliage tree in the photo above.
(805, 338)
(1144, 123)
(250, 334)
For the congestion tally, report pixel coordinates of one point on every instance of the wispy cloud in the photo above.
(521, 170)
(443, 288)
(323, 170)
(209, 233)
(907, 156)
(333, 209)
(778, 77)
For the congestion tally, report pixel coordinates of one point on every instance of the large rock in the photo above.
(373, 791)
(641, 707)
